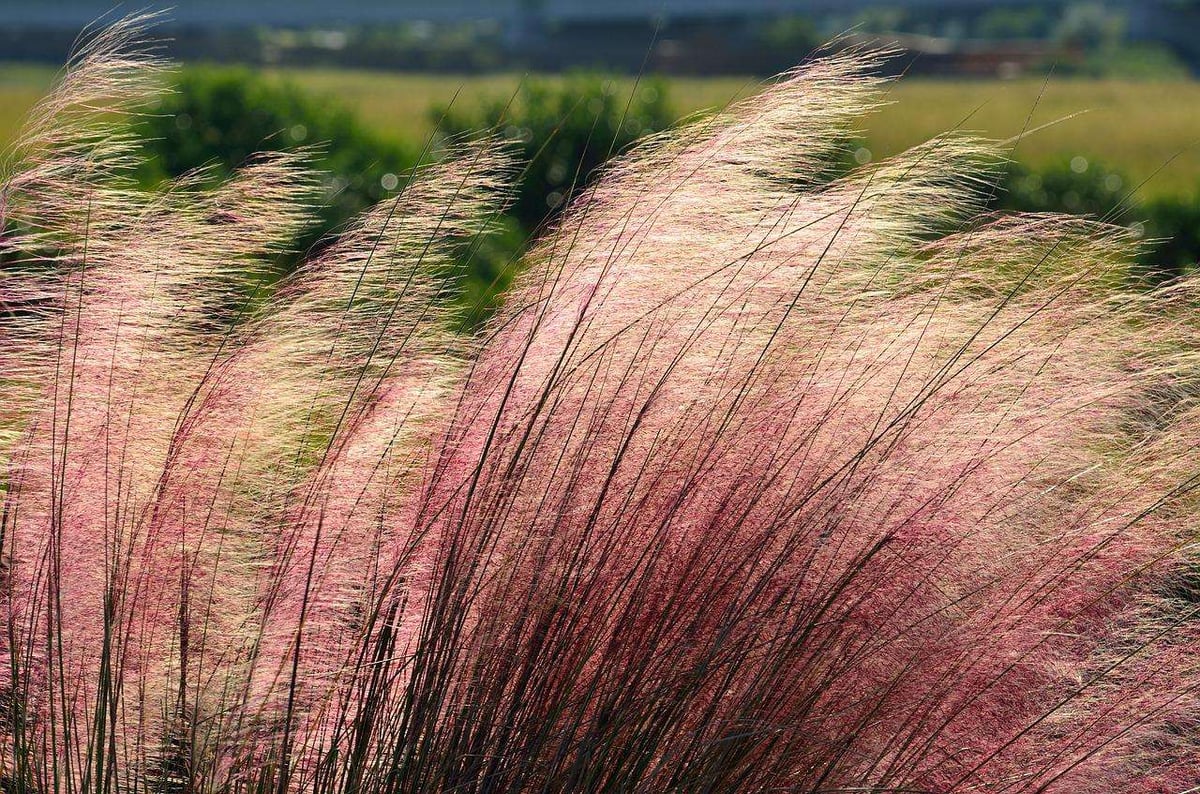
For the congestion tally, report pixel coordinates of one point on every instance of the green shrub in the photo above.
(1075, 185)
(562, 131)
(221, 116)
(1173, 223)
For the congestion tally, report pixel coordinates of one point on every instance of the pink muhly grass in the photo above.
(760, 480)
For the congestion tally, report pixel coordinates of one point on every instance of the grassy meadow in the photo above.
(1146, 129)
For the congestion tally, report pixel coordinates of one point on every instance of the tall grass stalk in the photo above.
(760, 480)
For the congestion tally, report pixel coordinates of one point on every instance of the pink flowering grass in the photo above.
(761, 479)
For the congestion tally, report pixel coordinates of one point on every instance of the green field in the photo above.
(1148, 129)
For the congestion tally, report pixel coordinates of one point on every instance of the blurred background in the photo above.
(384, 84)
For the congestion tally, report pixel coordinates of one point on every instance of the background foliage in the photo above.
(219, 117)
(367, 132)
(562, 131)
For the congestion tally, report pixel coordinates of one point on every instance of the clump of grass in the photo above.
(759, 480)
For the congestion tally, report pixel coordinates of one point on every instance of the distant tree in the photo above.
(1090, 25)
(1033, 22)
(785, 41)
